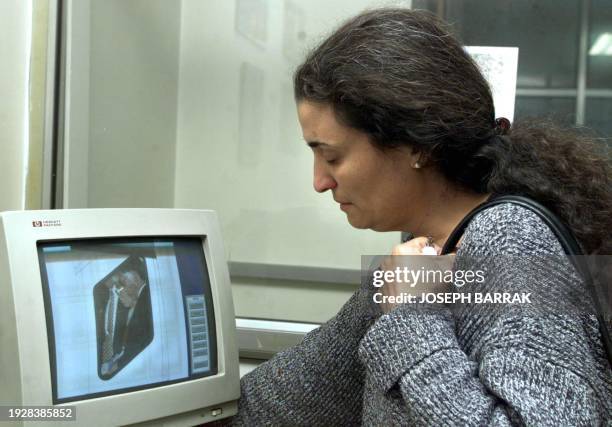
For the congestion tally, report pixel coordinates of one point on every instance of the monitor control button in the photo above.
(216, 412)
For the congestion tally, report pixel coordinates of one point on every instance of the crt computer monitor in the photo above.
(124, 314)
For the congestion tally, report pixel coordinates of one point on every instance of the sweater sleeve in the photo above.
(318, 382)
(498, 367)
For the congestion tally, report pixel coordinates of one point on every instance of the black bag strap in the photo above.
(568, 242)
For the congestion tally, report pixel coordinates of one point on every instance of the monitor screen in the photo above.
(126, 314)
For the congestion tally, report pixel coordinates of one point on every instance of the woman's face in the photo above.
(378, 190)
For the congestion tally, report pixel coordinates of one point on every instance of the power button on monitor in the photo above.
(216, 412)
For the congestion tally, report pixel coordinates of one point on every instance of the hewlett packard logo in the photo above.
(47, 223)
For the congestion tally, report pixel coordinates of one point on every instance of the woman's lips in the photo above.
(344, 206)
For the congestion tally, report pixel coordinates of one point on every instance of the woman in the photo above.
(403, 131)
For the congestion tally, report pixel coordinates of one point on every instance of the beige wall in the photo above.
(134, 87)
(15, 21)
(122, 86)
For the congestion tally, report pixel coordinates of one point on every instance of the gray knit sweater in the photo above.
(473, 367)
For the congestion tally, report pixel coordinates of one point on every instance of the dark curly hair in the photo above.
(399, 76)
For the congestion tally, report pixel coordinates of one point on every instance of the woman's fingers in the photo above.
(411, 247)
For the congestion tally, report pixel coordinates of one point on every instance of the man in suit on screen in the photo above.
(123, 316)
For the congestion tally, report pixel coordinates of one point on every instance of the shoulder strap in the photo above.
(566, 238)
(570, 246)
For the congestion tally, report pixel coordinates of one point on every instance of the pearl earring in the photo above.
(417, 165)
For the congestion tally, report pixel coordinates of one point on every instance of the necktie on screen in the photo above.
(109, 326)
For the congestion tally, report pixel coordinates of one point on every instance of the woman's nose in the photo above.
(323, 180)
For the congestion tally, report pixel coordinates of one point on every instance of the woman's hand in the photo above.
(410, 262)
(415, 246)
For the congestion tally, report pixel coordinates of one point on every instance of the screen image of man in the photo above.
(124, 322)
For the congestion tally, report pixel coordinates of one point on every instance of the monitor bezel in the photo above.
(20, 233)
